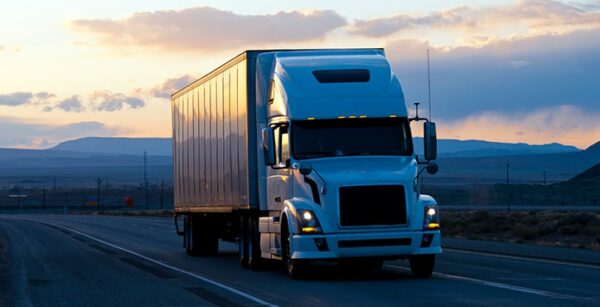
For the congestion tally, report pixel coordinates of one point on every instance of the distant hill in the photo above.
(124, 146)
(478, 148)
(594, 148)
(446, 147)
(592, 173)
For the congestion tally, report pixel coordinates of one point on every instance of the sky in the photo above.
(522, 71)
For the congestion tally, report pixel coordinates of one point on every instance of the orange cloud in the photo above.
(209, 30)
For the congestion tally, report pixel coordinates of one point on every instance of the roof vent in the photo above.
(342, 75)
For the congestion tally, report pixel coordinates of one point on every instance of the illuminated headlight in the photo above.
(431, 211)
(308, 222)
(431, 220)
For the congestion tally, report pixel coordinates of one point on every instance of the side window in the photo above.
(282, 147)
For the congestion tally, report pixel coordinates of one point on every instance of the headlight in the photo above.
(431, 220)
(308, 222)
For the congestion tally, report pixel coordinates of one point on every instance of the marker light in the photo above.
(363, 116)
(341, 117)
(311, 118)
(433, 225)
(310, 229)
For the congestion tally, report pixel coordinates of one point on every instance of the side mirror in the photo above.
(268, 141)
(430, 141)
(432, 168)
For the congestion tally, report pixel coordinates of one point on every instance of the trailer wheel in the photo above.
(255, 261)
(421, 266)
(243, 242)
(295, 268)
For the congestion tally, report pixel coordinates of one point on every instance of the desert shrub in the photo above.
(570, 230)
(480, 216)
(525, 232)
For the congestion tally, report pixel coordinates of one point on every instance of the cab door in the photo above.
(278, 175)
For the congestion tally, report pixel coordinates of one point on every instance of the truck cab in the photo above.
(340, 171)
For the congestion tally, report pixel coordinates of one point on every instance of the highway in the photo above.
(74, 260)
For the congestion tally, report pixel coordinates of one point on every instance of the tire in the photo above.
(243, 242)
(421, 266)
(255, 261)
(296, 269)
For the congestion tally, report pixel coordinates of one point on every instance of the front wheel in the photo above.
(421, 266)
(295, 268)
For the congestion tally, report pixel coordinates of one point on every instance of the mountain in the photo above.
(594, 148)
(478, 148)
(123, 146)
(592, 173)
(446, 147)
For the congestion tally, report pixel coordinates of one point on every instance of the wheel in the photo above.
(295, 268)
(243, 242)
(421, 266)
(255, 261)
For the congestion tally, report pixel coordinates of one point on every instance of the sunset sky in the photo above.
(524, 71)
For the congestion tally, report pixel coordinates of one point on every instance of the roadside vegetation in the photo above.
(550, 228)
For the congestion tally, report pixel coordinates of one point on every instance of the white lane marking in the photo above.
(522, 258)
(182, 271)
(502, 286)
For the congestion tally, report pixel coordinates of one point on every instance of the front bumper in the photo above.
(369, 244)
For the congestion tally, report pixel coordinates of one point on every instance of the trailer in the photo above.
(301, 156)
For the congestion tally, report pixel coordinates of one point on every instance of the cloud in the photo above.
(503, 75)
(564, 124)
(110, 102)
(16, 99)
(538, 16)
(171, 86)
(72, 104)
(209, 29)
(39, 135)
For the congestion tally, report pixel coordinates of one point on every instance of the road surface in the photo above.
(128, 261)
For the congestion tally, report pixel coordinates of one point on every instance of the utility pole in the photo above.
(544, 177)
(44, 198)
(146, 177)
(508, 186)
(19, 199)
(162, 193)
(98, 194)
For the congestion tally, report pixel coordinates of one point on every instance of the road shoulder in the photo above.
(573, 255)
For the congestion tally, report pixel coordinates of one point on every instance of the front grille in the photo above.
(372, 205)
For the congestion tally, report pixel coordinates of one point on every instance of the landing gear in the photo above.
(421, 266)
(200, 235)
(249, 244)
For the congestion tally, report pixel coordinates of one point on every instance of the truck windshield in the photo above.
(351, 137)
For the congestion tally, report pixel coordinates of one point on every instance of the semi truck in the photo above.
(302, 156)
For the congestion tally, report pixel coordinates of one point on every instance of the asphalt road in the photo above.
(127, 261)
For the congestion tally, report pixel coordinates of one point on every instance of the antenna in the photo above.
(429, 83)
